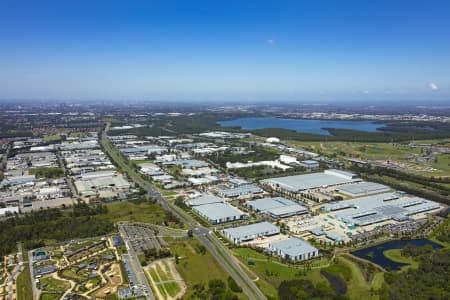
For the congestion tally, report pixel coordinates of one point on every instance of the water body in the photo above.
(301, 125)
(375, 253)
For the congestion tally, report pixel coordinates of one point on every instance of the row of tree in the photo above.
(52, 224)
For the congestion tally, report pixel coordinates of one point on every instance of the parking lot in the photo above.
(141, 238)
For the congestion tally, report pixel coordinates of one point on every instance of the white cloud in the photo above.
(433, 86)
(270, 41)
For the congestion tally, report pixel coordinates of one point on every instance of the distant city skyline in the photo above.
(249, 51)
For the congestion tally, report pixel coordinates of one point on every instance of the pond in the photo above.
(375, 253)
(301, 125)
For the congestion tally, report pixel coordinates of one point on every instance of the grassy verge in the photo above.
(54, 285)
(172, 288)
(23, 284)
(231, 265)
(194, 267)
(357, 287)
(271, 272)
(49, 296)
(123, 273)
(396, 255)
(129, 211)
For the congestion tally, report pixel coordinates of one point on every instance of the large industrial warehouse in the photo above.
(204, 199)
(217, 213)
(293, 249)
(381, 207)
(243, 190)
(250, 232)
(360, 189)
(298, 183)
(277, 207)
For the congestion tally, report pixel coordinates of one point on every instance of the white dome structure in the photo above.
(272, 140)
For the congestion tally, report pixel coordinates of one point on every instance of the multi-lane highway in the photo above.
(216, 248)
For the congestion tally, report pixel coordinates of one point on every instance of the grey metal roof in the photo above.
(216, 211)
(287, 210)
(380, 207)
(317, 231)
(307, 181)
(144, 149)
(309, 162)
(204, 199)
(363, 188)
(293, 247)
(276, 206)
(241, 190)
(257, 229)
(334, 236)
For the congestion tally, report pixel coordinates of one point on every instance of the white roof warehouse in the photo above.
(294, 249)
(250, 232)
(277, 207)
(298, 183)
(217, 213)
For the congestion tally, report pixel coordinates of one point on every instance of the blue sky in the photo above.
(225, 50)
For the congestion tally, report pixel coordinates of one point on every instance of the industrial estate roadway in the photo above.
(217, 249)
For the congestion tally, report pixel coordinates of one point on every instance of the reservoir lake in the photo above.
(375, 253)
(301, 125)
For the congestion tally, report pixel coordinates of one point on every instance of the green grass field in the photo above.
(70, 274)
(160, 274)
(52, 138)
(381, 151)
(396, 255)
(194, 267)
(129, 211)
(49, 296)
(24, 291)
(172, 288)
(271, 272)
(54, 285)
(357, 287)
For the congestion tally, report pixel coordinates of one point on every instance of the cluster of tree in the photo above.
(153, 254)
(431, 190)
(200, 249)
(163, 125)
(47, 172)
(429, 281)
(338, 134)
(298, 289)
(216, 290)
(415, 127)
(171, 218)
(414, 251)
(82, 209)
(233, 285)
(443, 233)
(52, 224)
(404, 176)
(15, 133)
(142, 197)
(179, 201)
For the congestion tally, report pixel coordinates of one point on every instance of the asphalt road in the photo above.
(220, 253)
(68, 179)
